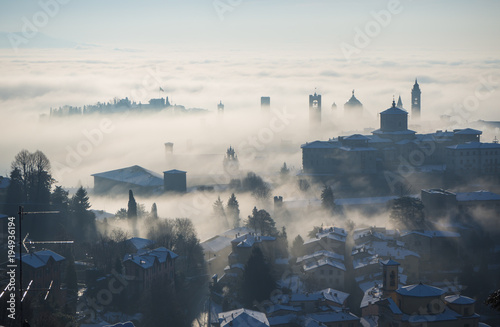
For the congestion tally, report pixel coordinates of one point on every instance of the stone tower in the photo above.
(415, 101)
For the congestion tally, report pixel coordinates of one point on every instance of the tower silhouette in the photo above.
(415, 101)
(315, 111)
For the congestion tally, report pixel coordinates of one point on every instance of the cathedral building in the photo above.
(457, 151)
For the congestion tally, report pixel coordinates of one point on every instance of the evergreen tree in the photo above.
(84, 228)
(121, 213)
(132, 212)
(261, 221)
(154, 211)
(408, 212)
(297, 246)
(233, 211)
(219, 212)
(15, 195)
(60, 199)
(257, 282)
(132, 206)
(327, 199)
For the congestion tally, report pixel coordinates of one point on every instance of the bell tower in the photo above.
(315, 111)
(390, 275)
(415, 101)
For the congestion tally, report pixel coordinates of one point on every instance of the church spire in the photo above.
(400, 103)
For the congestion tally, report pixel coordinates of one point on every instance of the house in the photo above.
(420, 304)
(325, 273)
(217, 249)
(149, 267)
(331, 239)
(42, 271)
(242, 318)
(135, 178)
(423, 304)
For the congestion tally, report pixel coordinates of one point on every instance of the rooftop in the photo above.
(133, 175)
(40, 258)
(420, 290)
(147, 258)
(243, 318)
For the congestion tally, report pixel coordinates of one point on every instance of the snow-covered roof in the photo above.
(474, 146)
(333, 316)
(40, 258)
(320, 145)
(459, 299)
(248, 240)
(139, 243)
(243, 318)
(420, 290)
(319, 254)
(133, 175)
(467, 131)
(146, 259)
(431, 233)
(389, 262)
(356, 137)
(323, 262)
(478, 196)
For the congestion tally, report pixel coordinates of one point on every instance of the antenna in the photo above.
(22, 244)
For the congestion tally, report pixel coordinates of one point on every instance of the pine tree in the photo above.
(84, 227)
(132, 212)
(408, 212)
(327, 199)
(219, 212)
(154, 211)
(132, 206)
(257, 282)
(261, 221)
(297, 245)
(233, 211)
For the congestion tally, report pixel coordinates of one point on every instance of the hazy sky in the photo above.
(315, 24)
(202, 52)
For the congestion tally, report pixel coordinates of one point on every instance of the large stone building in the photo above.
(394, 145)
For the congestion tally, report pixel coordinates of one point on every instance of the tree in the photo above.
(121, 213)
(257, 282)
(35, 177)
(132, 212)
(154, 211)
(407, 212)
(255, 184)
(233, 211)
(493, 300)
(83, 219)
(314, 231)
(60, 199)
(15, 193)
(219, 212)
(261, 221)
(31, 182)
(297, 245)
(327, 199)
(132, 206)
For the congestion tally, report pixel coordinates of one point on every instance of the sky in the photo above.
(70, 52)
